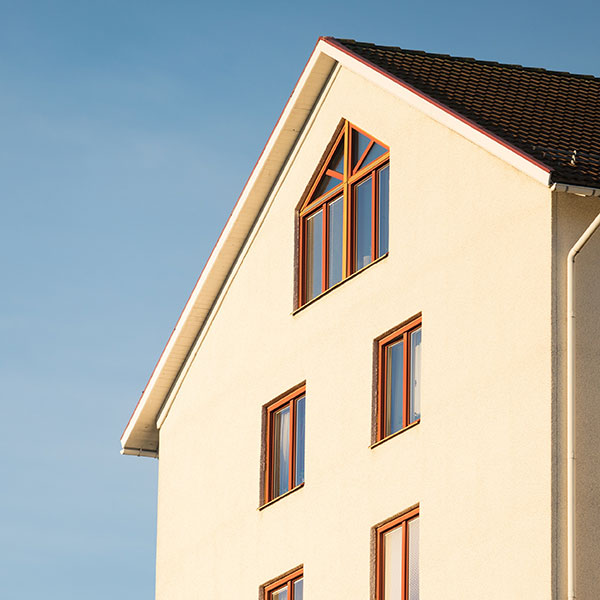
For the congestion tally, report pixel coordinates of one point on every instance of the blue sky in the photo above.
(128, 129)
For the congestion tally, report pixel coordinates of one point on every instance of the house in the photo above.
(369, 391)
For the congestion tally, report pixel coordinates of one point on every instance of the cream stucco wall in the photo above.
(572, 215)
(470, 248)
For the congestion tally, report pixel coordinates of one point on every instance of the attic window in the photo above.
(344, 217)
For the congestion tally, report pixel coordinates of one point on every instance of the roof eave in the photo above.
(141, 435)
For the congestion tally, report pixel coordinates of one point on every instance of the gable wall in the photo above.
(470, 248)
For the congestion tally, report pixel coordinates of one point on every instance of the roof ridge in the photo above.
(515, 66)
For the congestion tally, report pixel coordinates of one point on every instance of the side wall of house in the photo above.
(471, 249)
(572, 215)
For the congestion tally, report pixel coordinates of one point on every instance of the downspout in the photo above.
(571, 403)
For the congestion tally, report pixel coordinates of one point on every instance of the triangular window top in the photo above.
(345, 159)
(332, 174)
(364, 150)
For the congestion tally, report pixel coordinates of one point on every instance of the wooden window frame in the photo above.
(401, 332)
(380, 530)
(289, 398)
(285, 580)
(346, 190)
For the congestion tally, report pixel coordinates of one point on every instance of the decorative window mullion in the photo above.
(346, 259)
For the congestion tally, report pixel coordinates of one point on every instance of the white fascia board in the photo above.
(141, 434)
(439, 112)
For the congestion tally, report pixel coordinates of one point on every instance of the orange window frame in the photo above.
(351, 178)
(402, 332)
(380, 531)
(289, 399)
(284, 581)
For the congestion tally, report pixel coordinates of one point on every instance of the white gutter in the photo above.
(571, 391)
(578, 190)
(140, 452)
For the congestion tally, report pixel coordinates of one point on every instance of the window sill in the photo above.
(337, 285)
(280, 497)
(395, 434)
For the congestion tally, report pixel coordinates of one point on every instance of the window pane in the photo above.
(280, 594)
(299, 589)
(363, 224)
(413, 559)
(375, 152)
(415, 375)
(394, 388)
(384, 217)
(314, 254)
(299, 475)
(393, 564)
(336, 240)
(281, 451)
(326, 184)
(337, 160)
(359, 145)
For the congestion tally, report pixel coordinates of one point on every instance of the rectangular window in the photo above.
(397, 558)
(288, 587)
(284, 464)
(399, 378)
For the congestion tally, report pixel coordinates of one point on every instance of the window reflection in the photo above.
(415, 375)
(336, 241)
(363, 223)
(299, 474)
(281, 594)
(327, 184)
(360, 143)
(314, 255)
(413, 559)
(393, 564)
(373, 154)
(384, 200)
(281, 451)
(299, 589)
(395, 388)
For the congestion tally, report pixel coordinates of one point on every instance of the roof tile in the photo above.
(553, 116)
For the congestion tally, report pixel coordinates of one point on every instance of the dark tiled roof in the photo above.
(550, 115)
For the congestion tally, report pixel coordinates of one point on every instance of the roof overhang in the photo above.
(140, 437)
